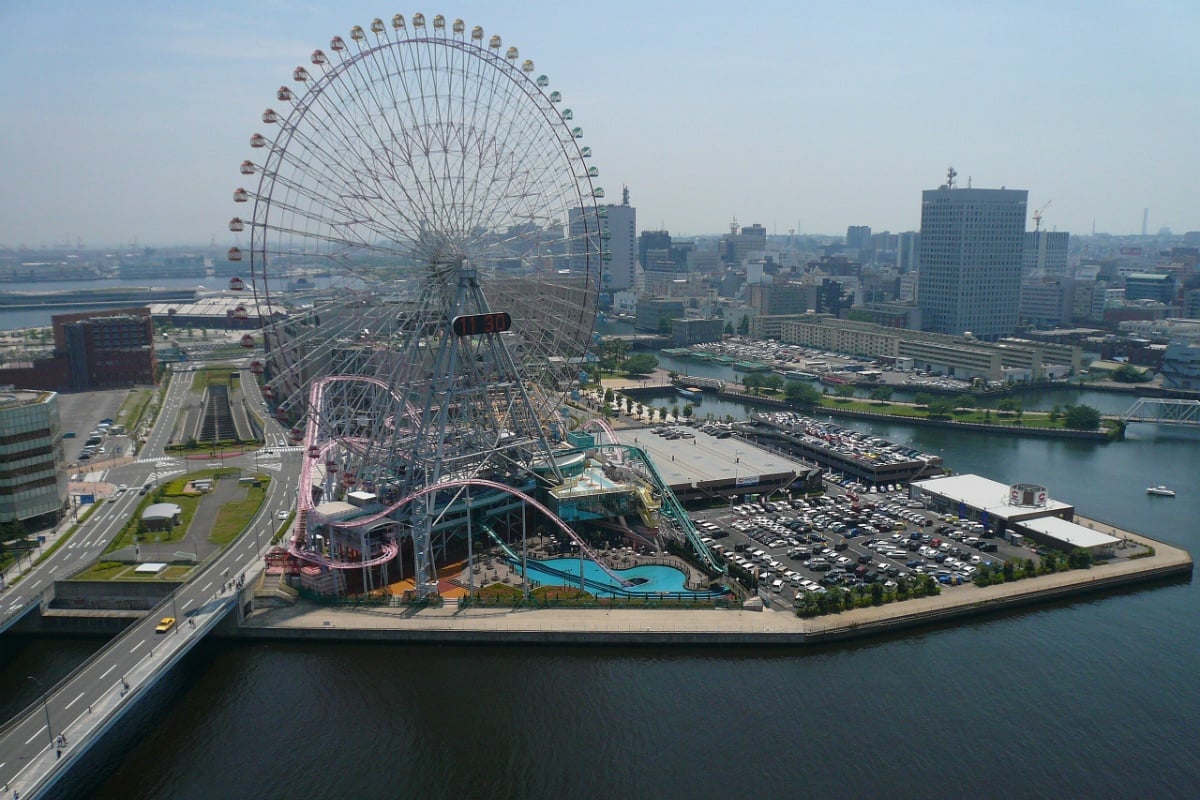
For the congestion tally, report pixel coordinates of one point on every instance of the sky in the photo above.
(126, 121)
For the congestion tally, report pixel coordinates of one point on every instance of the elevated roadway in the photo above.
(86, 703)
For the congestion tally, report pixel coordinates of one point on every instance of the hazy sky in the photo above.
(124, 121)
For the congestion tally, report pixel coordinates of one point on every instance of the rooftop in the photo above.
(704, 457)
(987, 495)
(1070, 533)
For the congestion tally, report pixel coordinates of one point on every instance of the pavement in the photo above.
(725, 626)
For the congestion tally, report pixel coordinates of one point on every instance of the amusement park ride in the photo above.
(433, 173)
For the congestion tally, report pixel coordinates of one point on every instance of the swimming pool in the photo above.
(651, 578)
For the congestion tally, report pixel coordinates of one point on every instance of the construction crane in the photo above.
(1037, 216)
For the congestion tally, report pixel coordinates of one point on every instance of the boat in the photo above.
(1160, 491)
(690, 392)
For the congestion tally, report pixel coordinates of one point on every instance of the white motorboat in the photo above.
(1160, 491)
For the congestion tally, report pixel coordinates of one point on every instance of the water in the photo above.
(658, 578)
(1090, 698)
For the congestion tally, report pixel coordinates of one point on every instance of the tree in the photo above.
(772, 381)
(1081, 417)
(664, 325)
(941, 407)
(743, 327)
(876, 593)
(964, 401)
(1079, 559)
(640, 364)
(1008, 405)
(752, 382)
(802, 394)
(628, 404)
(923, 398)
(1127, 373)
(672, 375)
(608, 396)
(882, 393)
(729, 328)
(662, 413)
(688, 410)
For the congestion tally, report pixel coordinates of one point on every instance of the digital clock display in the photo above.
(477, 324)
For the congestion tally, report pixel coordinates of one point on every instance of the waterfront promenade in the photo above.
(600, 626)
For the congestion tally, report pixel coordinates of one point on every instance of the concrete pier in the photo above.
(599, 626)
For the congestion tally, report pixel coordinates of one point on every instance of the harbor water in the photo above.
(1087, 698)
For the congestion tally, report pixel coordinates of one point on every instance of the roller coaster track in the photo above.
(451, 484)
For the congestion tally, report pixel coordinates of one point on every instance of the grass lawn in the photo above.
(232, 518)
(983, 416)
(104, 571)
(121, 571)
(134, 407)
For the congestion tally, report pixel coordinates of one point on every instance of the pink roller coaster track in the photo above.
(391, 548)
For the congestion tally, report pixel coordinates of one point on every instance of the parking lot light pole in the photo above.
(46, 707)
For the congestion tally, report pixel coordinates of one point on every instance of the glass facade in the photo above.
(31, 483)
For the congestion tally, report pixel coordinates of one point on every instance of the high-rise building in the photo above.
(972, 243)
(1045, 254)
(660, 243)
(32, 487)
(737, 245)
(858, 237)
(617, 228)
(908, 251)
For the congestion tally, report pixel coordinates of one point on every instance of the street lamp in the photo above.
(46, 707)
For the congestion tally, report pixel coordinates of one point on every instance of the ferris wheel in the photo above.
(434, 192)
(397, 160)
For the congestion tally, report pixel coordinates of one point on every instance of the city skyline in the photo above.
(130, 121)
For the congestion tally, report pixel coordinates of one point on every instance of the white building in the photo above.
(617, 229)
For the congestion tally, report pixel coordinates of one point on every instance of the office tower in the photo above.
(32, 487)
(1045, 253)
(620, 222)
(858, 237)
(908, 250)
(972, 242)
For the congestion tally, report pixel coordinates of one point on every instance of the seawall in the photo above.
(691, 628)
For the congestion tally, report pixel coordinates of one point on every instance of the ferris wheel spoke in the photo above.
(430, 178)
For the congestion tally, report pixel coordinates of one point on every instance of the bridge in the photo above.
(41, 743)
(1163, 411)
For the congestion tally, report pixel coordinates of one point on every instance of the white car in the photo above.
(281, 514)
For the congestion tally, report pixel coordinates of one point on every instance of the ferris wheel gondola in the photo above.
(433, 180)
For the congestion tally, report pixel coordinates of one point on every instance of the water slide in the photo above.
(674, 511)
(571, 579)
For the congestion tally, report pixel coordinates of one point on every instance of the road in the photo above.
(100, 690)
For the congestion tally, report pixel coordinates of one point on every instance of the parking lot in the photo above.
(849, 537)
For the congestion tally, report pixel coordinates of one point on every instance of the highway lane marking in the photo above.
(68, 705)
(136, 646)
(210, 583)
(188, 603)
(36, 735)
